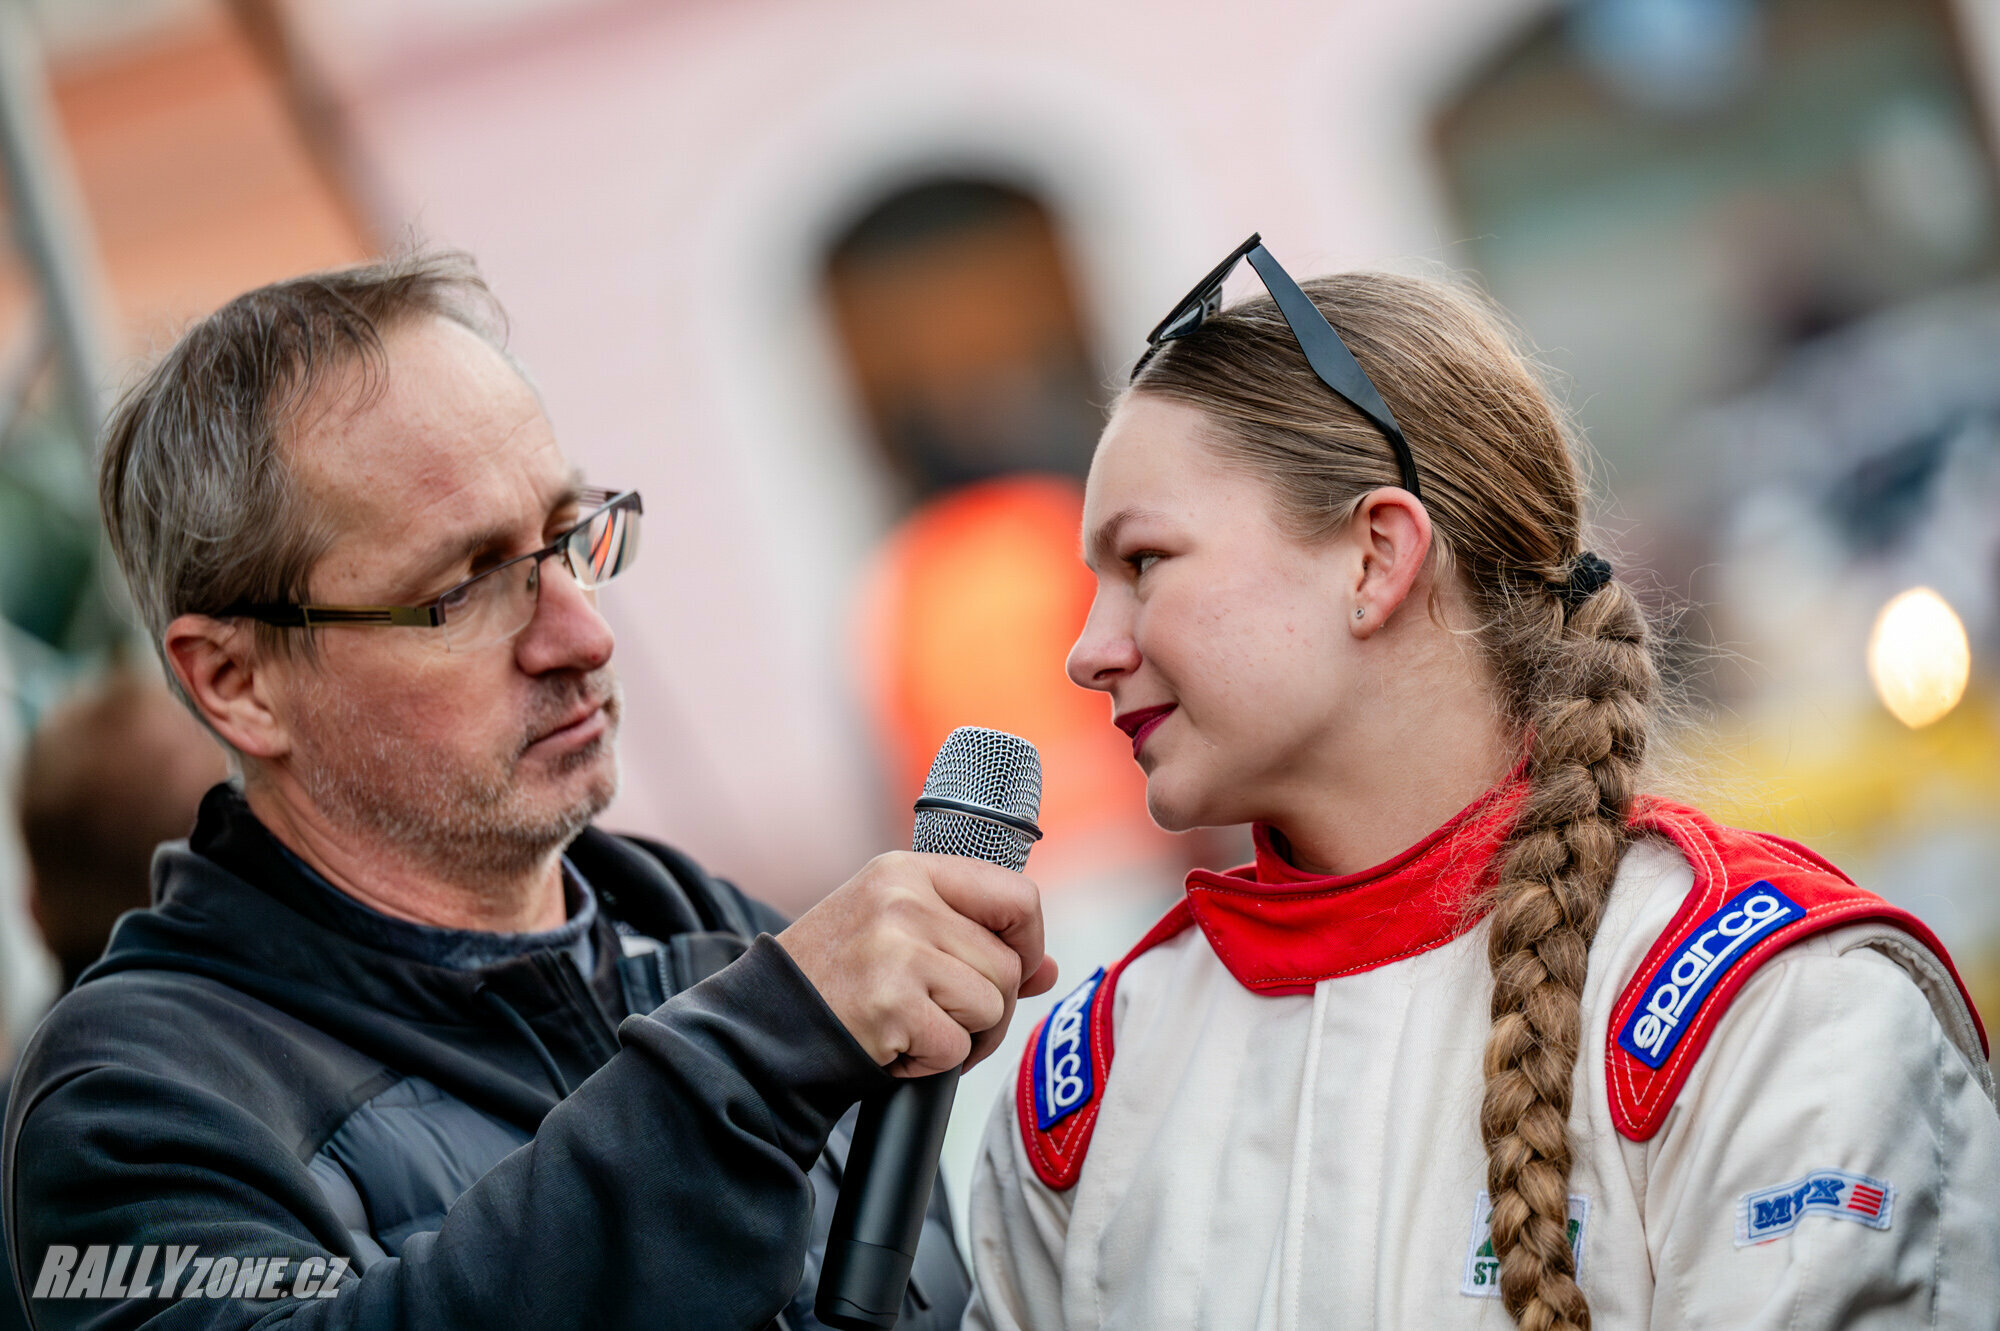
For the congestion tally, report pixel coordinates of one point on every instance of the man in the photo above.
(404, 1042)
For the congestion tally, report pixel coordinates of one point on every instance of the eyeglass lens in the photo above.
(604, 547)
(498, 606)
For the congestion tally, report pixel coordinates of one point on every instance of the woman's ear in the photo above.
(216, 662)
(1390, 536)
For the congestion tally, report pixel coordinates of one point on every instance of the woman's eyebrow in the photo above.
(1099, 543)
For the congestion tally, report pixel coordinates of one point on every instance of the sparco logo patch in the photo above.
(1768, 1213)
(1063, 1079)
(1685, 979)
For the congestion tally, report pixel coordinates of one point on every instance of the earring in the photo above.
(1357, 612)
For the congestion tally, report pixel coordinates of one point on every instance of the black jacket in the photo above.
(238, 1074)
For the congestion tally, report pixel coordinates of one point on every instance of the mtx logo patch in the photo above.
(1063, 1077)
(1691, 972)
(1770, 1212)
(1482, 1268)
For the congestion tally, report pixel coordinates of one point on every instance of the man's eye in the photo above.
(456, 598)
(1142, 561)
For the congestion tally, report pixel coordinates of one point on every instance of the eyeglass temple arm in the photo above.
(316, 616)
(1331, 359)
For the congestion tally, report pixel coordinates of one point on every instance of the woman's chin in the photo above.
(1175, 810)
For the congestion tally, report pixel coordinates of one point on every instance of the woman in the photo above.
(1483, 1035)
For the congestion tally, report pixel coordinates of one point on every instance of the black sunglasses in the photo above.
(1325, 352)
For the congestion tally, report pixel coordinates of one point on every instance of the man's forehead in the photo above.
(441, 423)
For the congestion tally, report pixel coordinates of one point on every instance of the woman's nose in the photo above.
(1103, 651)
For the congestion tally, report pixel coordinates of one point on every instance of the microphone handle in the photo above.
(892, 1166)
(884, 1193)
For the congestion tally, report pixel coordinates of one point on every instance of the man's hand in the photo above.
(922, 956)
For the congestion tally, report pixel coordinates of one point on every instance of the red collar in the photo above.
(1280, 930)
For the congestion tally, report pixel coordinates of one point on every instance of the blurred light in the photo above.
(1918, 657)
(1672, 56)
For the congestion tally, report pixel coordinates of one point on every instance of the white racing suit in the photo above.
(1783, 1115)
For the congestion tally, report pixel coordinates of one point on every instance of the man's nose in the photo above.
(567, 632)
(1103, 651)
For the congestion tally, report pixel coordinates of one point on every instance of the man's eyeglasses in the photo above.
(1325, 352)
(492, 606)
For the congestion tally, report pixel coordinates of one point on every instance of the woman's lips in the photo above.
(1143, 721)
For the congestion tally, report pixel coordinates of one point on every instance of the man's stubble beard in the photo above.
(474, 824)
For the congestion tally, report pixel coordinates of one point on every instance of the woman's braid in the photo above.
(1585, 682)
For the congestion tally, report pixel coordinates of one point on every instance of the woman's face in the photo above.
(1226, 644)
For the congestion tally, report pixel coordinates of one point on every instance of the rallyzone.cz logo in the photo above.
(99, 1272)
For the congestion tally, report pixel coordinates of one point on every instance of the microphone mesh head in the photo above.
(994, 770)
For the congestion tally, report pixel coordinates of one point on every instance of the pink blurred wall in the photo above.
(649, 188)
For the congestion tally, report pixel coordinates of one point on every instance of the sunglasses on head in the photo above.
(1325, 352)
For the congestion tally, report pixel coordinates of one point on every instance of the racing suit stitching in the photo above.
(1781, 852)
(1690, 1043)
(1299, 1182)
(1938, 1055)
(1712, 864)
(1024, 1106)
(1716, 890)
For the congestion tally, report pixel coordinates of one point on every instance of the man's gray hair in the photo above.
(203, 509)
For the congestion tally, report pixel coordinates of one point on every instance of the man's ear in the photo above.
(216, 662)
(1390, 535)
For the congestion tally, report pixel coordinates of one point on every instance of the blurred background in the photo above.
(845, 289)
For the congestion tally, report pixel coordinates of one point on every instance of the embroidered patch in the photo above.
(1685, 978)
(1772, 1212)
(1064, 1082)
(1482, 1268)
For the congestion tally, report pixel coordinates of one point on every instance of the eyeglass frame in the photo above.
(1324, 351)
(431, 614)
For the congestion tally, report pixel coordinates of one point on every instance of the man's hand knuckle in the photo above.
(902, 913)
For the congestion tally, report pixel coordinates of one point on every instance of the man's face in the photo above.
(474, 759)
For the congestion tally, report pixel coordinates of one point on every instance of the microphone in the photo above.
(980, 801)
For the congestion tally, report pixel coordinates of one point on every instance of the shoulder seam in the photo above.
(1821, 898)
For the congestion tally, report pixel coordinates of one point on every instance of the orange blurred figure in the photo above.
(968, 614)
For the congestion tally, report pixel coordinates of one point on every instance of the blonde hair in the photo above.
(1577, 679)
